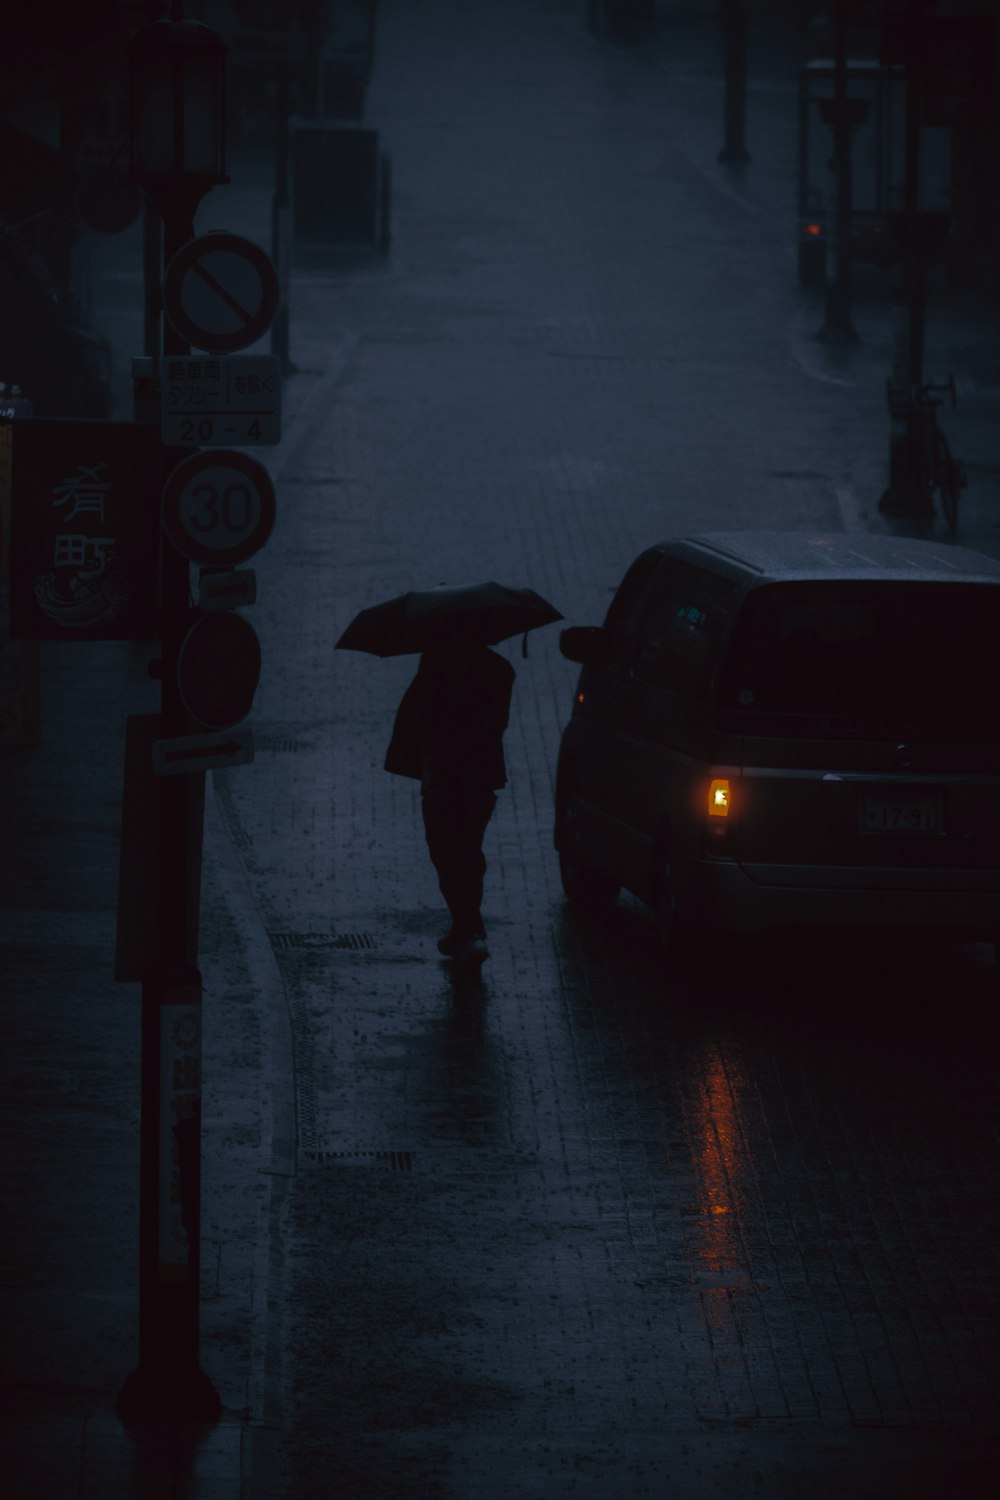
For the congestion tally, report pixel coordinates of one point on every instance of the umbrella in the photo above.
(487, 612)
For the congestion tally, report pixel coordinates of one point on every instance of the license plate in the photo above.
(894, 812)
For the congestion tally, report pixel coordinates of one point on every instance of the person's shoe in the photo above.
(473, 951)
(457, 938)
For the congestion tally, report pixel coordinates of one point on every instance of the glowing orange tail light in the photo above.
(813, 229)
(719, 798)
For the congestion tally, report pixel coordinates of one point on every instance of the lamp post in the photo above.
(177, 144)
(177, 102)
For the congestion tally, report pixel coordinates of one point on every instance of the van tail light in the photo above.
(720, 810)
(719, 797)
(812, 230)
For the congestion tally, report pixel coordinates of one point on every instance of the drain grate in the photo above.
(300, 939)
(351, 940)
(396, 1161)
(287, 747)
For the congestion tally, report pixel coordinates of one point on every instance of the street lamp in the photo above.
(177, 120)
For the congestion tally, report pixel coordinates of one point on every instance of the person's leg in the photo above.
(454, 827)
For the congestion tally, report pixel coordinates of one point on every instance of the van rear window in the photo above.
(858, 648)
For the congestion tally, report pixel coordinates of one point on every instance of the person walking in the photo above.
(449, 727)
(448, 735)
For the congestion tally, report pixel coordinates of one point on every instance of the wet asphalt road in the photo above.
(581, 1227)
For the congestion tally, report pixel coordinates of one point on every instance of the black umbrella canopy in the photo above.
(486, 612)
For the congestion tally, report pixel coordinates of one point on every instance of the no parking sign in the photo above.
(220, 292)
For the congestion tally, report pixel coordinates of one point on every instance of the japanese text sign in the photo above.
(84, 530)
(234, 401)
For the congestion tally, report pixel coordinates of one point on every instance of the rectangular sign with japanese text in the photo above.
(85, 525)
(221, 401)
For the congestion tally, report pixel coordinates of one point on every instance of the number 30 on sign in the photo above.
(218, 508)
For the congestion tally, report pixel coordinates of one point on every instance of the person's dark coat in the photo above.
(450, 724)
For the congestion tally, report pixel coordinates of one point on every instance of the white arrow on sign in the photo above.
(202, 752)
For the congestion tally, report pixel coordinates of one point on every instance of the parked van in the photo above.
(783, 729)
(877, 111)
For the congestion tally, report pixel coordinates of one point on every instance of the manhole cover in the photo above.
(396, 1161)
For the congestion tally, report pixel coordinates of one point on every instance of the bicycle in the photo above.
(936, 471)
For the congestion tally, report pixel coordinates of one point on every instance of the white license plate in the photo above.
(894, 812)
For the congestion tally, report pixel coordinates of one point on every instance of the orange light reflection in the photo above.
(715, 1148)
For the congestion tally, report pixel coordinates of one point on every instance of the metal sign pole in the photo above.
(169, 1380)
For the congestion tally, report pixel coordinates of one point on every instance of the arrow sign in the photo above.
(202, 752)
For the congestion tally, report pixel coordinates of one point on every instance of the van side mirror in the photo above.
(590, 645)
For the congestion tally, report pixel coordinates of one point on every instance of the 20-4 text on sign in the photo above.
(218, 507)
(221, 401)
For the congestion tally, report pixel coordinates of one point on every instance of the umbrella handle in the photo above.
(524, 645)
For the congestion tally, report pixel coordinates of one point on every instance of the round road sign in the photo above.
(218, 507)
(218, 668)
(220, 292)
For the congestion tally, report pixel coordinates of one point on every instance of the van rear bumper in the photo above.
(965, 902)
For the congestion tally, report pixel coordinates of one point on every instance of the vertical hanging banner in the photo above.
(84, 530)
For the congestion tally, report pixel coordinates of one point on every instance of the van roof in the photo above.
(805, 555)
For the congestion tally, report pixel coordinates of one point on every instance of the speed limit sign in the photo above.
(218, 507)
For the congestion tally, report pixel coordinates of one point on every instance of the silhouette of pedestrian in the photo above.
(448, 734)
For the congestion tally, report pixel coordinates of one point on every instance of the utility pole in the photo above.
(176, 166)
(172, 993)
